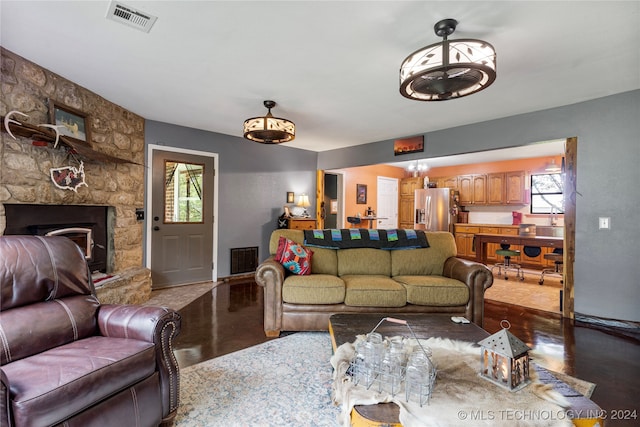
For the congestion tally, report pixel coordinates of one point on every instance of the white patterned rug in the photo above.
(283, 382)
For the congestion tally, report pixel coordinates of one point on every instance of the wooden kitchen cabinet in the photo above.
(464, 235)
(473, 189)
(491, 247)
(496, 188)
(406, 202)
(506, 188)
(409, 185)
(514, 188)
(406, 212)
(499, 188)
(447, 182)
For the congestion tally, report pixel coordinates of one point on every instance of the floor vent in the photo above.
(130, 16)
(244, 260)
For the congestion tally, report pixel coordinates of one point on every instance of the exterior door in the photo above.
(181, 218)
(387, 203)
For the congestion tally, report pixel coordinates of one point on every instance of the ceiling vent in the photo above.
(130, 16)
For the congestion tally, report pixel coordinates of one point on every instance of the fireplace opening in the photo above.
(85, 225)
(81, 236)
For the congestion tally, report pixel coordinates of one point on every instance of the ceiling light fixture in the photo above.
(449, 69)
(552, 167)
(269, 129)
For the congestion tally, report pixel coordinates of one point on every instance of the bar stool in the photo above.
(354, 220)
(557, 257)
(507, 265)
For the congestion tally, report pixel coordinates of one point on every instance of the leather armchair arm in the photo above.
(477, 277)
(158, 325)
(270, 274)
(5, 406)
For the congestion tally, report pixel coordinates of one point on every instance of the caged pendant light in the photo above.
(449, 69)
(269, 129)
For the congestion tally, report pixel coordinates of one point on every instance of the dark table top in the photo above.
(345, 327)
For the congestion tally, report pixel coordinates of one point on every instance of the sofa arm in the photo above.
(477, 277)
(158, 325)
(5, 405)
(270, 274)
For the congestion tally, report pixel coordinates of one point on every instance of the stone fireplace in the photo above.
(29, 198)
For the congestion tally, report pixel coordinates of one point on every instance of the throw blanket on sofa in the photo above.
(362, 238)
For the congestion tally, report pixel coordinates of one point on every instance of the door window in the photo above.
(183, 192)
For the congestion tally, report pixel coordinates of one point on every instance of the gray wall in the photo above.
(607, 267)
(253, 180)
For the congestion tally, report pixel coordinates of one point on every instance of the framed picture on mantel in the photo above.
(73, 122)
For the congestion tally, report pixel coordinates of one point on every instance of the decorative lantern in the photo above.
(505, 359)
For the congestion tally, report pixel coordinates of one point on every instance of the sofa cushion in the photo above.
(364, 261)
(325, 261)
(313, 289)
(425, 261)
(294, 257)
(51, 386)
(434, 290)
(373, 291)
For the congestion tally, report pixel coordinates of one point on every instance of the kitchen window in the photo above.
(547, 193)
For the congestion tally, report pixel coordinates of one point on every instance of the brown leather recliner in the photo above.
(65, 359)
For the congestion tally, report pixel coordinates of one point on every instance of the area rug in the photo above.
(283, 382)
(460, 395)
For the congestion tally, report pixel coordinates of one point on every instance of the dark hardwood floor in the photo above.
(230, 318)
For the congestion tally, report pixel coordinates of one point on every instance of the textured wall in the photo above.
(24, 171)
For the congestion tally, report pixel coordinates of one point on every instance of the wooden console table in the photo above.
(482, 239)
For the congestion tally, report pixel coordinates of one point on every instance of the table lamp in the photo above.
(303, 202)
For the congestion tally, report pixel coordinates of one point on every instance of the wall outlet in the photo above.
(604, 223)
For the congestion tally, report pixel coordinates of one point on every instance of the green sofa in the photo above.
(365, 280)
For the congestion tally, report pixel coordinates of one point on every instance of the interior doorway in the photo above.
(333, 198)
(387, 212)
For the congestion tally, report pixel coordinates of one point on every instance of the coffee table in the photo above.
(344, 328)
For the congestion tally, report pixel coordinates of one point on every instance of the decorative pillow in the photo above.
(294, 257)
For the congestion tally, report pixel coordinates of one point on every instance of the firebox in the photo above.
(85, 225)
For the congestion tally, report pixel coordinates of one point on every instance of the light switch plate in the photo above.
(604, 223)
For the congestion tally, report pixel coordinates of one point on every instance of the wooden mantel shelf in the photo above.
(84, 150)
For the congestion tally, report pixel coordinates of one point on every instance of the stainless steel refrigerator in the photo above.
(436, 209)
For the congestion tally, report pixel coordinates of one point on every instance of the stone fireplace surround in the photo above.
(24, 167)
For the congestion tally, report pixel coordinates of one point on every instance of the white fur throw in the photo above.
(460, 396)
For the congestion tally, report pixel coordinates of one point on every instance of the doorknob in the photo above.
(156, 228)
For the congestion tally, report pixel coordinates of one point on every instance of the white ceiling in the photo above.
(332, 66)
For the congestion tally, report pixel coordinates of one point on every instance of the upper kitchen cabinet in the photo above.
(514, 188)
(473, 189)
(496, 188)
(409, 185)
(447, 182)
(506, 188)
